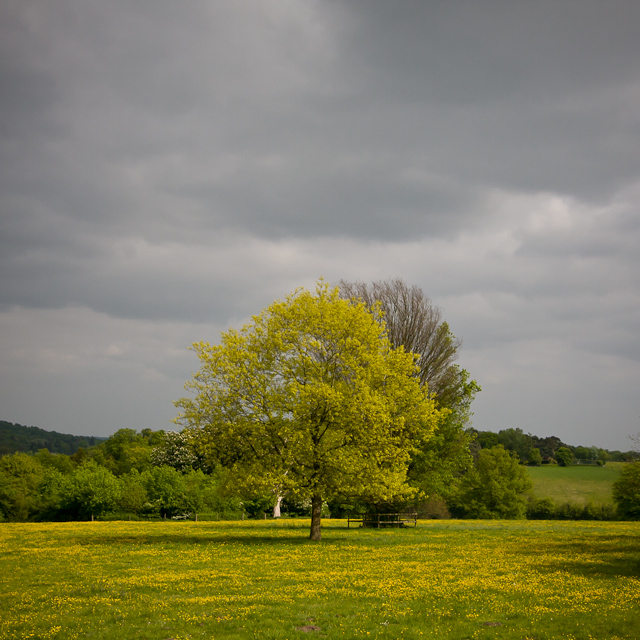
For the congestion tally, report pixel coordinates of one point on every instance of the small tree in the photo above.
(494, 488)
(20, 476)
(91, 491)
(310, 398)
(487, 439)
(52, 494)
(166, 490)
(535, 458)
(626, 491)
(564, 456)
(584, 453)
(517, 441)
(134, 495)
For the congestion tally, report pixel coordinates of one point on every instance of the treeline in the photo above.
(16, 437)
(529, 448)
(157, 474)
(533, 450)
(150, 474)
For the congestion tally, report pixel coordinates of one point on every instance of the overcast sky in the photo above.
(169, 168)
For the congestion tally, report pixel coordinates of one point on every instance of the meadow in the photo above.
(444, 579)
(578, 484)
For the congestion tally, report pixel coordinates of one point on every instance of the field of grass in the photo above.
(445, 579)
(576, 484)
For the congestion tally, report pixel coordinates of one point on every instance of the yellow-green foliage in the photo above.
(445, 579)
(310, 400)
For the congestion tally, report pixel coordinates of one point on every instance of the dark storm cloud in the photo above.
(549, 91)
(279, 125)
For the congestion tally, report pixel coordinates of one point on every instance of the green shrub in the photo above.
(626, 491)
(544, 509)
(564, 456)
(493, 488)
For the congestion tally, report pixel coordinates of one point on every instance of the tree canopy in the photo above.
(415, 324)
(564, 456)
(626, 491)
(310, 399)
(493, 488)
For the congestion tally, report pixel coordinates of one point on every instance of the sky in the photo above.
(168, 169)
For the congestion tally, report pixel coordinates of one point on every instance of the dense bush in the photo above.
(543, 509)
(123, 478)
(493, 488)
(626, 491)
(564, 456)
(30, 490)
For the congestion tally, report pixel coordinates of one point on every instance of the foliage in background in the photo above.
(564, 456)
(49, 486)
(90, 490)
(494, 488)
(626, 491)
(535, 457)
(523, 444)
(20, 478)
(547, 509)
(16, 437)
(178, 449)
(36, 487)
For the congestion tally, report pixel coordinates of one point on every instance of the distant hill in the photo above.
(16, 437)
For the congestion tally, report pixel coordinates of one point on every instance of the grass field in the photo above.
(239, 580)
(576, 484)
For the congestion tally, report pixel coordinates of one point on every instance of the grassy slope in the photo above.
(575, 484)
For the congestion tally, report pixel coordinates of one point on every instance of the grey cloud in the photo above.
(484, 52)
(539, 95)
(195, 86)
(191, 162)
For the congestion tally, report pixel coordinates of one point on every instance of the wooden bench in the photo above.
(381, 520)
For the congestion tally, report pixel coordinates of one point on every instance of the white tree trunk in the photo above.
(276, 508)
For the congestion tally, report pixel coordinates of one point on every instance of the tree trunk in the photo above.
(316, 517)
(276, 508)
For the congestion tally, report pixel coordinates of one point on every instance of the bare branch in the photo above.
(413, 322)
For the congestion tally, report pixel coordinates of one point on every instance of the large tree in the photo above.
(414, 323)
(312, 399)
(436, 467)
